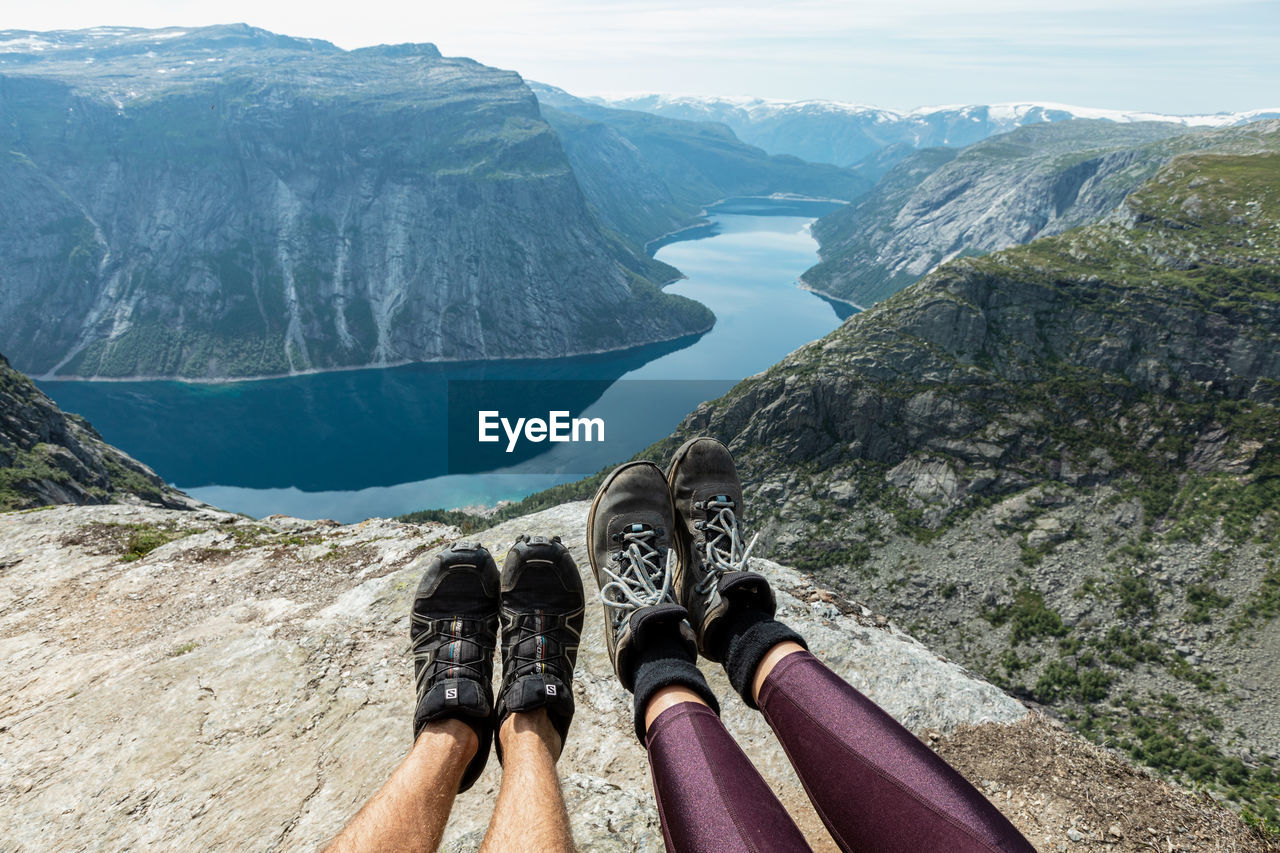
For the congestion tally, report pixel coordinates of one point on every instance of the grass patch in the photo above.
(1027, 615)
(1263, 605)
(142, 539)
(1202, 600)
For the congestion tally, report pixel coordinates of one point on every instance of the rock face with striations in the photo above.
(1059, 463)
(49, 457)
(226, 202)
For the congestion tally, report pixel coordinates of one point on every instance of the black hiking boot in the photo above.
(452, 631)
(542, 608)
(629, 530)
(711, 577)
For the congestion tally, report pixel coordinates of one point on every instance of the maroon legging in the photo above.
(875, 786)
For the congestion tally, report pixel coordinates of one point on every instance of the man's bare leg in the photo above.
(410, 811)
(530, 814)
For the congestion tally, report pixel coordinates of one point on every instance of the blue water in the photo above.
(353, 444)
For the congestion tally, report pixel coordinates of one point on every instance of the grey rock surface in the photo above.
(246, 685)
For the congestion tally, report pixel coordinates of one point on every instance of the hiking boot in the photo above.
(452, 631)
(542, 607)
(629, 530)
(711, 576)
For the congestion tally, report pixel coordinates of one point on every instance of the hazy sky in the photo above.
(1178, 56)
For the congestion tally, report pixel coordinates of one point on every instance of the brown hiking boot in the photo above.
(711, 576)
(629, 530)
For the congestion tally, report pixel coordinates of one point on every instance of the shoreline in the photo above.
(387, 365)
(709, 210)
(232, 380)
(674, 237)
(781, 197)
(825, 295)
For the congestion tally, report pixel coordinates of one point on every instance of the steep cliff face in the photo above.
(847, 134)
(649, 174)
(228, 202)
(49, 457)
(1036, 181)
(625, 190)
(1059, 463)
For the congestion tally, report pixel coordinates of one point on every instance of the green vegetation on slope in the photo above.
(47, 456)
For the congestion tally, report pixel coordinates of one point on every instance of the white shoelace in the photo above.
(642, 578)
(724, 549)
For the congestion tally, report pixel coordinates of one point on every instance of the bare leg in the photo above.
(409, 812)
(530, 814)
(771, 659)
(666, 698)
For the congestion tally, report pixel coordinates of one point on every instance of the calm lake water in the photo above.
(353, 444)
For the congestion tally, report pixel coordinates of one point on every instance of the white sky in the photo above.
(1174, 56)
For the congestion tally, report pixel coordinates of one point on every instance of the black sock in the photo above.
(745, 641)
(666, 661)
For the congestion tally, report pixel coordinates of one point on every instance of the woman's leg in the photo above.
(873, 783)
(875, 786)
(710, 796)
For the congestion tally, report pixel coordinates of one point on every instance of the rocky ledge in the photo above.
(180, 679)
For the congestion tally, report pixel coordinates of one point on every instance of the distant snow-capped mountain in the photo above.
(846, 133)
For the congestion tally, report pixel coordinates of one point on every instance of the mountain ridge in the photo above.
(48, 456)
(824, 131)
(648, 176)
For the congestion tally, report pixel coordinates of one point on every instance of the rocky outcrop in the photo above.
(1037, 181)
(1058, 463)
(246, 685)
(49, 457)
(226, 202)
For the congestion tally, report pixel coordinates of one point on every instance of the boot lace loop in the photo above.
(641, 578)
(723, 550)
